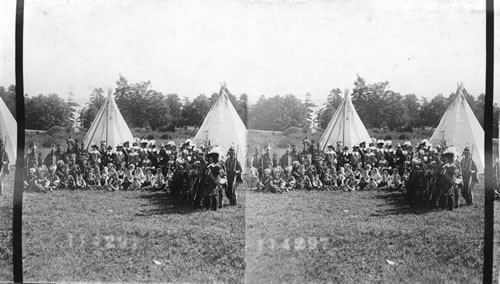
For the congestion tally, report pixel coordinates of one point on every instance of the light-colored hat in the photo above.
(451, 151)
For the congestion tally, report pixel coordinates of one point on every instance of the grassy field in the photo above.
(496, 244)
(130, 236)
(318, 236)
(6, 273)
(357, 236)
(360, 237)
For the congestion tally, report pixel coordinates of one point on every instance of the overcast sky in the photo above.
(258, 47)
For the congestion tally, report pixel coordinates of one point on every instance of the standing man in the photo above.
(294, 153)
(4, 165)
(452, 179)
(265, 161)
(469, 176)
(286, 160)
(233, 170)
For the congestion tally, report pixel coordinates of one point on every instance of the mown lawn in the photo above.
(6, 272)
(496, 244)
(360, 237)
(129, 236)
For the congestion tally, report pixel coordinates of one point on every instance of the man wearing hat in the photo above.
(119, 157)
(317, 155)
(286, 160)
(265, 160)
(163, 159)
(345, 156)
(31, 160)
(143, 152)
(4, 164)
(233, 170)
(199, 182)
(126, 150)
(214, 182)
(294, 153)
(356, 157)
(51, 158)
(94, 156)
(469, 176)
(330, 156)
(108, 156)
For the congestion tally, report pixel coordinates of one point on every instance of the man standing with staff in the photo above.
(4, 166)
(233, 169)
(469, 175)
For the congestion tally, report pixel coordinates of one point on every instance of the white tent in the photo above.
(8, 132)
(223, 127)
(459, 127)
(345, 126)
(108, 126)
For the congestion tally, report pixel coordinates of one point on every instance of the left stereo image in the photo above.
(8, 149)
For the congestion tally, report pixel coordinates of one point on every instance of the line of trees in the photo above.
(142, 106)
(377, 105)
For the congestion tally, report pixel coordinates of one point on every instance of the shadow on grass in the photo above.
(164, 203)
(399, 203)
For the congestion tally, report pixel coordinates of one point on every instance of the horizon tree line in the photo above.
(141, 106)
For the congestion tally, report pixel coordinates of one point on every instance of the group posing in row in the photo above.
(431, 175)
(195, 174)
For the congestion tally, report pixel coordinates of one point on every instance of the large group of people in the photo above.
(431, 175)
(195, 174)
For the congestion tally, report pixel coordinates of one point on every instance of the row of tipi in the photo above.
(223, 127)
(458, 127)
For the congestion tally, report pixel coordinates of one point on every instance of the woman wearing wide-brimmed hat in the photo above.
(215, 180)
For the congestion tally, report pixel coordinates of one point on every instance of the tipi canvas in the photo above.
(459, 127)
(345, 126)
(108, 126)
(223, 127)
(8, 132)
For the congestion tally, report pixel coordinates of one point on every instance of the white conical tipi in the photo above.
(345, 127)
(8, 132)
(223, 127)
(108, 126)
(459, 127)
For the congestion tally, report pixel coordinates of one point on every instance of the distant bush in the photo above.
(292, 130)
(56, 131)
(403, 137)
(166, 136)
(47, 141)
(388, 137)
(407, 128)
(167, 128)
(150, 137)
(283, 142)
(140, 130)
